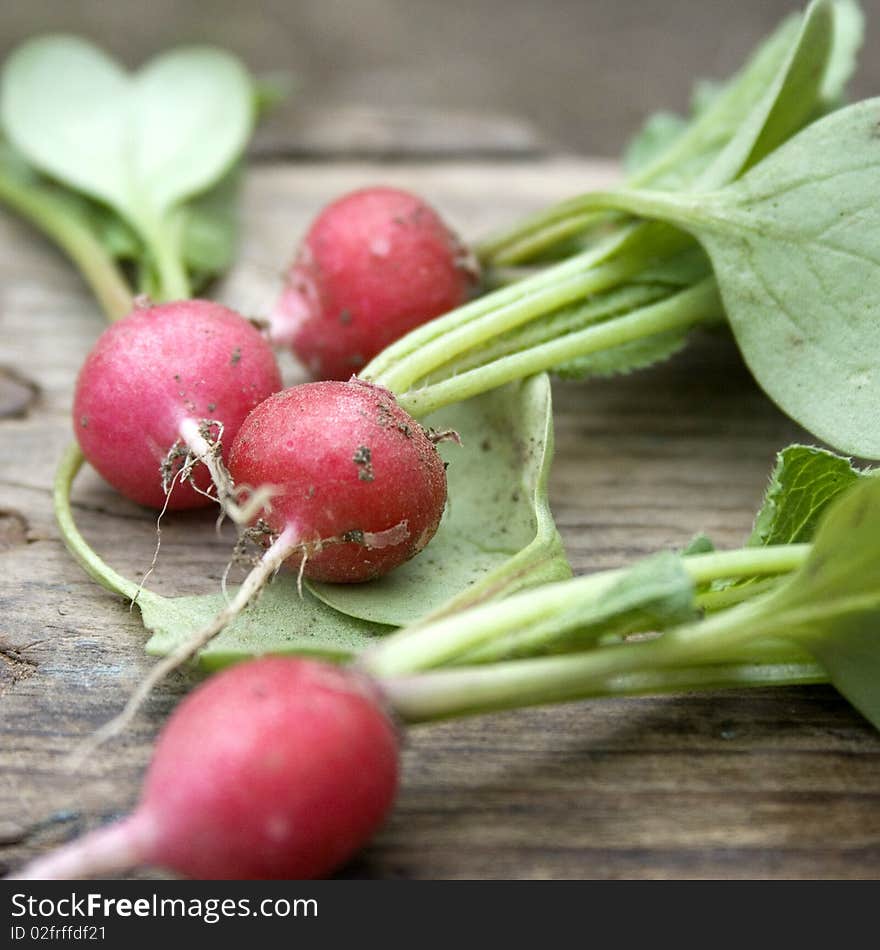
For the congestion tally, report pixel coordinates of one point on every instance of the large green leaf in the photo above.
(794, 245)
(497, 534)
(142, 143)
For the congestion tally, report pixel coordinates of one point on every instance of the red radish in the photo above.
(374, 264)
(275, 768)
(161, 378)
(359, 486)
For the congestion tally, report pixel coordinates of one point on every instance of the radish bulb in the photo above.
(166, 384)
(374, 264)
(275, 768)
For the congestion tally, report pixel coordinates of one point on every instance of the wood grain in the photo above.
(775, 784)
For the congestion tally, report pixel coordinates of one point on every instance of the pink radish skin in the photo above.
(358, 481)
(150, 381)
(275, 768)
(375, 264)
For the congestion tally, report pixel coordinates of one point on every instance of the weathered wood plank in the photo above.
(740, 784)
(402, 134)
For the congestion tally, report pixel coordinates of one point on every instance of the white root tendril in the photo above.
(168, 487)
(301, 572)
(267, 566)
(207, 447)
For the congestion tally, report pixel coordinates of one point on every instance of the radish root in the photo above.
(206, 447)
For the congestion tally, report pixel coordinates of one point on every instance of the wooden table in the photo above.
(769, 783)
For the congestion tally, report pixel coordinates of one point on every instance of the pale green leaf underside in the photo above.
(279, 622)
(141, 142)
(796, 249)
(497, 534)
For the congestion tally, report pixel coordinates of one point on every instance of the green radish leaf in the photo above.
(698, 544)
(797, 74)
(210, 228)
(663, 129)
(497, 534)
(116, 237)
(14, 167)
(804, 482)
(119, 240)
(626, 357)
(794, 248)
(849, 33)
(831, 606)
(658, 133)
(654, 594)
(777, 94)
(790, 102)
(82, 228)
(698, 142)
(705, 94)
(271, 89)
(280, 621)
(141, 143)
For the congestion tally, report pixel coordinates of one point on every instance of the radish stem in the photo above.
(431, 645)
(443, 694)
(698, 304)
(96, 266)
(76, 544)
